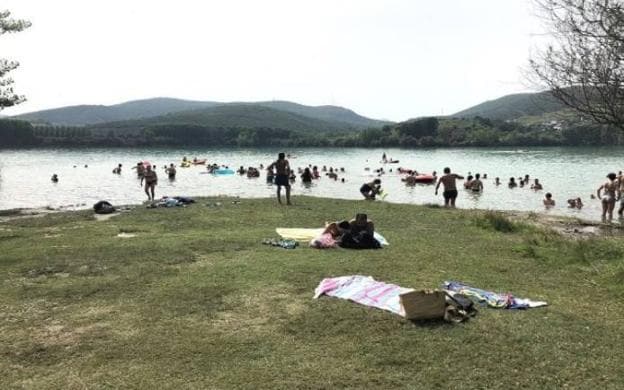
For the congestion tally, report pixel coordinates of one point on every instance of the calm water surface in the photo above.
(566, 172)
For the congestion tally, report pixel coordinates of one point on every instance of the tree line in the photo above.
(423, 132)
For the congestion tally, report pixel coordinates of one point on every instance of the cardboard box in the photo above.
(423, 304)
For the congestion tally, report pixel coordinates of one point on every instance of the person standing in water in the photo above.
(610, 196)
(151, 179)
(171, 171)
(282, 170)
(450, 188)
(476, 185)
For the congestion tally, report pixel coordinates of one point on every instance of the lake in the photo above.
(565, 172)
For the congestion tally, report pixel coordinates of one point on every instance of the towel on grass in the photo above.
(492, 299)
(364, 290)
(307, 235)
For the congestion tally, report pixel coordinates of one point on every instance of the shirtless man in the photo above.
(450, 189)
(610, 196)
(151, 179)
(476, 185)
(282, 170)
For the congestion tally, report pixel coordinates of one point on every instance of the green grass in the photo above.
(196, 301)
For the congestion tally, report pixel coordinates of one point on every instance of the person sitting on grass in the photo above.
(370, 190)
(361, 223)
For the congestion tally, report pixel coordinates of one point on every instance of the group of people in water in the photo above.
(281, 174)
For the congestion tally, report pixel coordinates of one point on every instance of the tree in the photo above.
(584, 66)
(8, 98)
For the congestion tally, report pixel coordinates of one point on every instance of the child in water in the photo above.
(548, 200)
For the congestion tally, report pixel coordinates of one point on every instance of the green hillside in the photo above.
(326, 113)
(85, 115)
(512, 107)
(232, 116)
(93, 114)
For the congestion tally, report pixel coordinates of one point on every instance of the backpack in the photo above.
(103, 207)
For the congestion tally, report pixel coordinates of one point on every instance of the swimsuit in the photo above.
(281, 180)
(450, 194)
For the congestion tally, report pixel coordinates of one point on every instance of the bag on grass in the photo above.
(103, 207)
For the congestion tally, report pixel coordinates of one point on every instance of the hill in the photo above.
(85, 115)
(93, 114)
(231, 115)
(326, 113)
(514, 106)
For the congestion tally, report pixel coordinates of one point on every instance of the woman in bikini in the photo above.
(610, 196)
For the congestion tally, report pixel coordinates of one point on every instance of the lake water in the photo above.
(566, 172)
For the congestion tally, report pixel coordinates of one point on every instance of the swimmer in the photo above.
(117, 170)
(548, 200)
(151, 179)
(575, 203)
(537, 185)
(410, 179)
(476, 185)
(171, 171)
(306, 176)
(140, 168)
(610, 196)
(512, 183)
(450, 188)
(282, 169)
(54, 178)
(468, 182)
(497, 181)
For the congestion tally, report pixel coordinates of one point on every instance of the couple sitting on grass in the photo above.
(355, 234)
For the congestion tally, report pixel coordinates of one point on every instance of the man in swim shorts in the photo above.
(450, 189)
(282, 173)
(610, 196)
(151, 179)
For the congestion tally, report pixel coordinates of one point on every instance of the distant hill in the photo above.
(326, 113)
(514, 106)
(232, 115)
(92, 114)
(85, 115)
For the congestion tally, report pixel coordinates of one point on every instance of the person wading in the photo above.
(282, 172)
(450, 188)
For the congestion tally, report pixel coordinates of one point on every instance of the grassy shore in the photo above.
(194, 300)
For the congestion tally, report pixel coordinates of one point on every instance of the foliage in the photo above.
(584, 67)
(16, 133)
(8, 97)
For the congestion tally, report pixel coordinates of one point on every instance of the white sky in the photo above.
(392, 59)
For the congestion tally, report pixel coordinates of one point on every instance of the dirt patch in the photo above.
(569, 227)
(104, 217)
(9, 215)
(261, 310)
(126, 235)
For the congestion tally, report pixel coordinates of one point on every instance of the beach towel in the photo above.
(307, 235)
(492, 299)
(364, 290)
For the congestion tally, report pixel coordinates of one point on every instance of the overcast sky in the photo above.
(391, 59)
